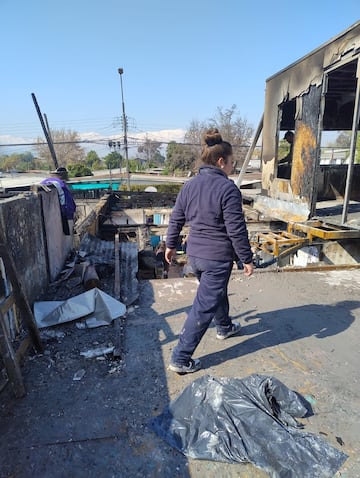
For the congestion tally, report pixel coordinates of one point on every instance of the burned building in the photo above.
(315, 196)
(315, 95)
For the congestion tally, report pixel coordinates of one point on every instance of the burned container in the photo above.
(308, 103)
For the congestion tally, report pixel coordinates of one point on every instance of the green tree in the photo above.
(7, 162)
(18, 161)
(158, 159)
(79, 169)
(98, 165)
(91, 158)
(283, 149)
(136, 165)
(66, 145)
(113, 160)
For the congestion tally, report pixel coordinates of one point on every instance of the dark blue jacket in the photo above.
(211, 204)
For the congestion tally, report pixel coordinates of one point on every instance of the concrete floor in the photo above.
(302, 328)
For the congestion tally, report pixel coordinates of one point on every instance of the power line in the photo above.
(102, 142)
(112, 123)
(55, 142)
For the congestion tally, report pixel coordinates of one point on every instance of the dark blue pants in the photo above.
(211, 302)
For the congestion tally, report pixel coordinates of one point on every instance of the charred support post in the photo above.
(249, 153)
(16, 297)
(318, 144)
(10, 362)
(117, 323)
(20, 299)
(117, 268)
(355, 126)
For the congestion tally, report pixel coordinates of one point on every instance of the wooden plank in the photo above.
(117, 325)
(117, 268)
(22, 349)
(10, 362)
(6, 304)
(20, 299)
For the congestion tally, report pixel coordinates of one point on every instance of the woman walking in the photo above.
(211, 204)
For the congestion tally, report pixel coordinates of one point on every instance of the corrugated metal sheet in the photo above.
(97, 251)
(129, 285)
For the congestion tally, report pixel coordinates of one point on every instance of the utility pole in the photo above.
(114, 145)
(121, 71)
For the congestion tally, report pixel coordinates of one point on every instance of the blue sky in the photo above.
(181, 59)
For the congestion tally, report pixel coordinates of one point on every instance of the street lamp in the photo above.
(121, 71)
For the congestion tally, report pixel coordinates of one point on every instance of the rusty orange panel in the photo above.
(283, 186)
(303, 158)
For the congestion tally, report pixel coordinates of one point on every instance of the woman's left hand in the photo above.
(248, 269)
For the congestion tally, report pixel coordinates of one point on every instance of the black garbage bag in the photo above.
(247, 420)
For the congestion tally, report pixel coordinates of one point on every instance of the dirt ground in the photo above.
(302, 328)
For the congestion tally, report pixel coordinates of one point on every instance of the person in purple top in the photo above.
(211, 203)
(67, 203)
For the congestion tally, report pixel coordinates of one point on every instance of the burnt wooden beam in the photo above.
(20, 298)
(11, 364)
(117, 268)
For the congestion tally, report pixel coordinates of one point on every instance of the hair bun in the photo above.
(212, 137)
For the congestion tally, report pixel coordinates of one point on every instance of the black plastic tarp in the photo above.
(247, 420)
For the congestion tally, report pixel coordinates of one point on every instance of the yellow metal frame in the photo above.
(272, 242)
(327, 232)
(298, 234)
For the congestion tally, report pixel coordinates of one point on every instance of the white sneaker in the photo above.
(235, 329)
(193, 366)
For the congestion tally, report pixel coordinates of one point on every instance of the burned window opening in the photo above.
(340, 95)
(288, 110)
(285, 144)
(340, 98)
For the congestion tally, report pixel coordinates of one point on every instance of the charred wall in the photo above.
(30, 227)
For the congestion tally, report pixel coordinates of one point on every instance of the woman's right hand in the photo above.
(169, 254)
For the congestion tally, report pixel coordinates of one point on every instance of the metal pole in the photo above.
(249, 153)
(121, 71)
(50, 137)
(49, 142)
(355, 126)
